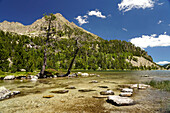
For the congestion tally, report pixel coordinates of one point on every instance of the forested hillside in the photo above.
(25, 52)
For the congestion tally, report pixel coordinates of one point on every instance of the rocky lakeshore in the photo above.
(85, 94)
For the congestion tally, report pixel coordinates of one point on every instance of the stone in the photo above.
(16, 92)
(125, 94)
(120, 101)
(72, 75)
(48, 96)
(22, 70)
(84, 74)
(4, 93)
(9, 77)
(103, 86)
(60, 91)
(99, 96)
(94, 81)
(86, 90)
(108, 92)
(145, 76)
(70, 87)
(97, 75)
(127, 90)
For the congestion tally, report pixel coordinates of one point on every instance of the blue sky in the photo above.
(146, 23)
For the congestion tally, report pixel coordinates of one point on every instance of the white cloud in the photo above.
(82, 20)
(160, 21)
(96, 13)
(109, 15)
(151, 41)
(127, 5)
(168, 24)
(124, 29)
(162, 62)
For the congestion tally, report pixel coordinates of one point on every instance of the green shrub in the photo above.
(50, 72)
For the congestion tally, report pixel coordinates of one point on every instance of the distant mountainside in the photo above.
(166, 66)
(64, 28)
(22, 48)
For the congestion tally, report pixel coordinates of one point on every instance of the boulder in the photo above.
(60, 91)
(127, 90)
(9, 77)
(120, 101)
(108, 92)
(86, 90)
(125, 94)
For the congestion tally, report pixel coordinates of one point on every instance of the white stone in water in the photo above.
(16, 92)
(126, 94)
(4, 93)
(127, 90)
(120, 100)
(9, 77)
(108, 92)
(84, 74)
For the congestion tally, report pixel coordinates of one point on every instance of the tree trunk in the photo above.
(44, 64)
(71, 64)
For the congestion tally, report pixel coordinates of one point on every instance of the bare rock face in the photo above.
(34, 29)
(120, 101)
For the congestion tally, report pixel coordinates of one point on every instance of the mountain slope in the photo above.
(64, 28)
(22, 47)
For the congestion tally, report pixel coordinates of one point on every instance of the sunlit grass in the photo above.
(164, 85)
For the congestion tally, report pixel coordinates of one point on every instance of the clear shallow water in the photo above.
(158, 75)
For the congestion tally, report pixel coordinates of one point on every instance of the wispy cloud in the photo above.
(163, 62)
(160, 21)
(127, 5)
(151, 41)
(168, 24)
(124, 29)
(161, 3)
(82, 19)
(96, 13)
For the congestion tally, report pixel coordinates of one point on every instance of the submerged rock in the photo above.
(60, 91)
(48, 96)
(99, 96)
(94, 81)
(127, 90)
(103, 86)
(9, 77)
(86, 90)
(125, 94)
(108, 92)
(5, 93)
(120, 101)
(70, 87)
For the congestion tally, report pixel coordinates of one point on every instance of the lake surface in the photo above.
(30, 99)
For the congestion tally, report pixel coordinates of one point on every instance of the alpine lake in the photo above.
(30, 100)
